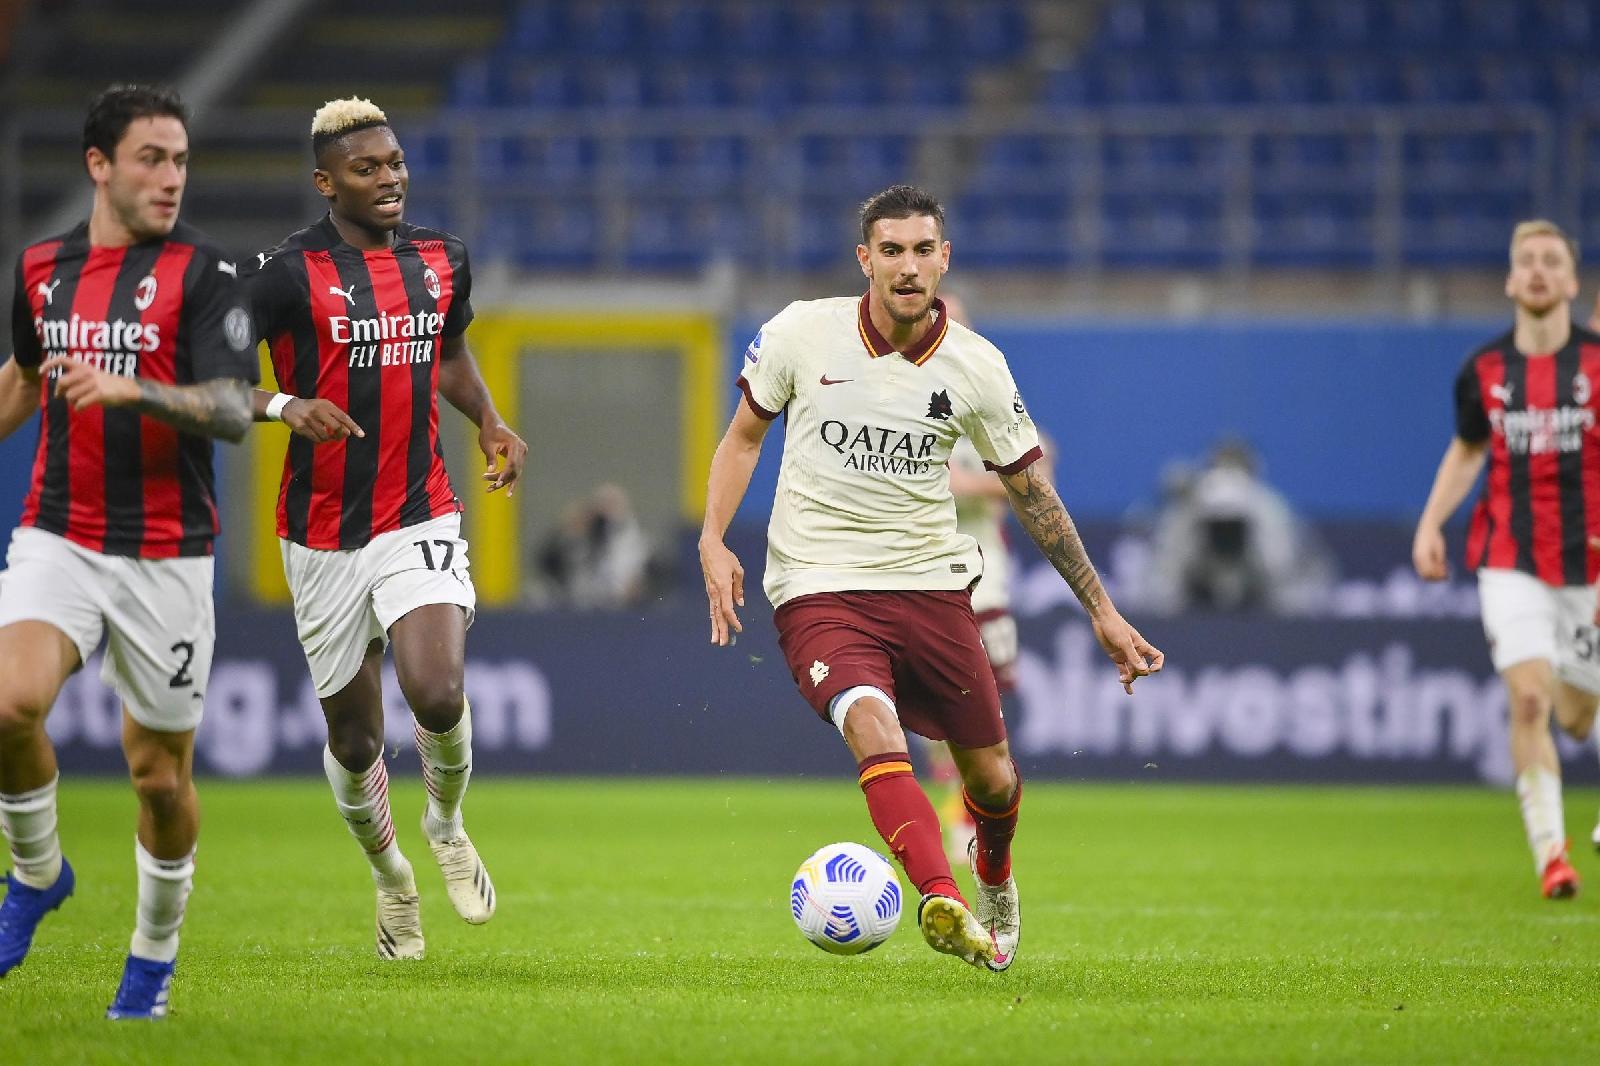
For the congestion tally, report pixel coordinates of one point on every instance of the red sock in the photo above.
(995, 830)
(904, 818)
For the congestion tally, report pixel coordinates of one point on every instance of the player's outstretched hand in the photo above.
(319, 420)
(1135, 657)
(498, 443)
(724, 590)
(1428, 554)
(82, 385)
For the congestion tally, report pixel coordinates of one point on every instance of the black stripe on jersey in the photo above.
(55, 493)
(419, 456)
(307, 361)
(1516, 379)
(124, 452)
(364, 404)
(196, 481)
(1574, 539)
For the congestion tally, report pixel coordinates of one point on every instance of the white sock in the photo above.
(446, 769)
(1539, 793)
(164, 887)
(363, 801)
(29, 822)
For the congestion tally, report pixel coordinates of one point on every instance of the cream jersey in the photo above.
(983, 519)
(863, 500)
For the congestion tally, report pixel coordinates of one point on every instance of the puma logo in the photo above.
(48, 291)
(348, 294)
(1501, 393)
(261, 259)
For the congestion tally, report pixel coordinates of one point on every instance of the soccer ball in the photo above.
(845, 899)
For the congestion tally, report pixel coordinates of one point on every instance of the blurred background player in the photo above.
(864, 567)
(1526, 405)
(116, 533)
(980, 498)
(366, 317)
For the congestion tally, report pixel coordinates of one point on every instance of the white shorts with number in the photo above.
(344, 600)
(1526, 619)
(156, 615)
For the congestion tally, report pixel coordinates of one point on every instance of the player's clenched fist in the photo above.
(82, 385)
(319, 421)
(1428, 554)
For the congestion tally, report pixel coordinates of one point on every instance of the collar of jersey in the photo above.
(919, 352)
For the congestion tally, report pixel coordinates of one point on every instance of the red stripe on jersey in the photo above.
(282, 349)
(1544, 476)
(1490, 543)
(394, 384)
(86, 462)
(1589, 364)
(333, 385)
(441, 497)
(163, 498)
(38, 263)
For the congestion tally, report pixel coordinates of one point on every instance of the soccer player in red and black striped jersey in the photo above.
(1527, 405)
(365, 316)
(133, 338)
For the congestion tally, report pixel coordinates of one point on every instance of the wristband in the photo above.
(276, 405)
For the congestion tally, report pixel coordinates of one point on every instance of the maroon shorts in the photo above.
(922, 648)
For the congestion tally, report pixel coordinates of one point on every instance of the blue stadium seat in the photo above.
(767, 87)
(1147, 83)
(1468, 228)
(1422, 23)
(1494, 24)
(1288, 79)
(538, 27)
(855, 166)
(757, 31)
(1569, 25)
(550, 163)
(1345, 23)
(1212, 83)
(695, 85)
(1129, 24)
(1315, 162)
(548, 234)
(1023, 163)
(825, 233)
(684, 29)
(990, 31)
(915, 31)
(547, 86)
(1325, 229)
(1193, 25)
(1012, 232)
(1440, 81)
(832, 29)
(843, 86)
(1271, 24)
(612, 29)
(1361, 80)
(1067, 88)
(1170, 229)
(1519, 80)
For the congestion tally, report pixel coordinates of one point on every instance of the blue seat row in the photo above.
(768, 29)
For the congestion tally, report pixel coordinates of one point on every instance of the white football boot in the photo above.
(400, 922)
(950, 928)
(466, 879)
(998, 912)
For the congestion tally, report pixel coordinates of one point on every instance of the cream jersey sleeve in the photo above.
(997, 422)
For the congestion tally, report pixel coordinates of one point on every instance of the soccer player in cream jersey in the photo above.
(864, 565)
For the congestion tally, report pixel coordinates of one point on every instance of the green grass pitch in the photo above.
(646, 921)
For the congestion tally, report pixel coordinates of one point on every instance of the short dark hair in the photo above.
(899, 201)
(113, 111)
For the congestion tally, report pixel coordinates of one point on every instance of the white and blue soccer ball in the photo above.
(846, 899)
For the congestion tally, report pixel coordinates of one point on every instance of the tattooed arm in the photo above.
(216, 408)
(1044, 517)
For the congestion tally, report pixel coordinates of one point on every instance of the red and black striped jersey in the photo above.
(363, 329)
(1537, 415)
(170, 310)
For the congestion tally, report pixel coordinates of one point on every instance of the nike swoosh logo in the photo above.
(826, 380)
(897, 831)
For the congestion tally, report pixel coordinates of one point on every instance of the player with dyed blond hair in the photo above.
(864, 565)
(366, 316)
(1526, 405)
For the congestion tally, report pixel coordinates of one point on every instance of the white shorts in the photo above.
(157, 617)
(1526, 619)
(344, 600)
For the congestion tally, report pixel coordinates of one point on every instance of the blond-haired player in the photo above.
(868, 575)
(1526, 405)
(366, 317)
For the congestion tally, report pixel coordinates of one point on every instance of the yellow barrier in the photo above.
(498, 340)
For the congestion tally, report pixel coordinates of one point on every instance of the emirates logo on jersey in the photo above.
(430, 281)
(145, 294)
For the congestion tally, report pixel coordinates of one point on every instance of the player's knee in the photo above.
(437, 703)
(354, 746)
(991, 785)
(20, 713)
(1529, 707)
(161, 789)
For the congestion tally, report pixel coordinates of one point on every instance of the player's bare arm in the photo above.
(731, 467)
(19, 396)
(217, 408)
(1045, 518)
(462, 385)
(1458, 472)
(315, 419)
